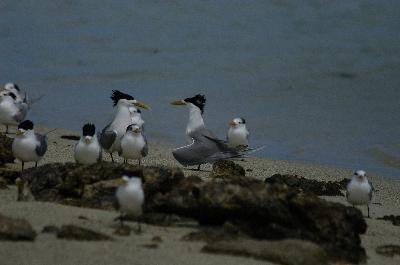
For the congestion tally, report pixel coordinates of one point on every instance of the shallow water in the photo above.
(316, 80)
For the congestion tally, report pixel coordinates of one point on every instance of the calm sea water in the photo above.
(316, 80)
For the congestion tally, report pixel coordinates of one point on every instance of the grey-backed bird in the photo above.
(111, 135)
(28, 146)
(12, 112)
(133, 144)
(203, 146)
(359, 190)
(88, 150)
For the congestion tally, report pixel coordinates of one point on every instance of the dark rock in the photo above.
(73, 232)
(211, 234)
(83, 217)
(50, 229)
(226, 169)
(287, 252)
(94, 185)
(6, 155)
(3, 184)
(9, 176)
(268, 211)
(395, 219)
(15, 229)
(150, 246)
(388, 250)
(319, 188)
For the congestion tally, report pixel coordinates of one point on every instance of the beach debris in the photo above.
(388, 250)
(73, 232)
(212, 234)
(395, 219)
(71, 137)
(150, 246)
(254, 208)
(9, 176)
(6, 155)
(226, 169)
(286, 252)
(16, 229)
(319, 188)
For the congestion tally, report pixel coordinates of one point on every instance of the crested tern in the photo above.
(133, 144)
(28, 146)
(238, 135)
(14, 88)
(88, 149)
(12, 112)
(359, 190)
(204, 147)
(136, 116)
(111, 135)
(130, 197)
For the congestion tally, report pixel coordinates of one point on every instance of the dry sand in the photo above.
(46, 249)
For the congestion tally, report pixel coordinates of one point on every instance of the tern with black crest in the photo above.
(28, 146)
(111, 135)
(88, 149)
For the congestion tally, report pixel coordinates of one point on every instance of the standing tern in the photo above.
(88, 150)
(12, 112)
(359, 190)
(111, 135)
(28, 146)
(238, 135)
(133, 144)
(204, 147)
(136, 116)
(130, 197)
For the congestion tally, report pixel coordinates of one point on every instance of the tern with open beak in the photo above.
(111, 135)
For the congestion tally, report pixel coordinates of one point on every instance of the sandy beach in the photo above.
(47, 249)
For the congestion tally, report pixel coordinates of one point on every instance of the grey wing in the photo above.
(145, 149)
(42, 147)
(107, 137)
(371, 192)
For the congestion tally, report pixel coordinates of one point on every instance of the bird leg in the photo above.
(121, 219)
(140, 161)
(368, 211)
(6, 129)
(125, 161)
(112, 158)
(198, 167)
(20, 188)
(139, 227)
(36, 165)
(22, 166)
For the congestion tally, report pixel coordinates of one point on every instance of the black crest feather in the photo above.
(11, 94)
(16, 87)
(243, 120)
(117, 95)
(26, 125)
(88, 129)
(199, 100)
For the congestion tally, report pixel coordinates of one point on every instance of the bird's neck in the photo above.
(29, 134)
(195, 119)
(122, 112)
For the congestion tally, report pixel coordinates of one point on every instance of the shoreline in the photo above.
(172, 250)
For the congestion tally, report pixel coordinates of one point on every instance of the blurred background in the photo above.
(317, 81)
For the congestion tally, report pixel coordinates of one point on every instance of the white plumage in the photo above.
(238, 135)
(133, 143)
(88, 149)
(359, 190)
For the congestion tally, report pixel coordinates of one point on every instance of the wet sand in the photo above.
(47, 249)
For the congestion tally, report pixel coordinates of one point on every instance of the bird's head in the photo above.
(88, 132)
(198, 101)
(121, 99)
(134, 128)
(24, 127)
(237, 122)
(360, 175)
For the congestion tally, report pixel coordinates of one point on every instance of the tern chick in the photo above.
(111, 135)
(88, 149)
(238, 135)
(130, 197)
(133, 143)
(28, 146)
(359, 190)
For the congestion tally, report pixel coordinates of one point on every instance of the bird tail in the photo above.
(233, 153)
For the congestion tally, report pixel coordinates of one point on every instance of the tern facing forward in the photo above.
(238, 135)
(111, 135)
(28, 146)
(204, 147)
(133, 144)
(88, 150)
(359, 190)
(130, 197)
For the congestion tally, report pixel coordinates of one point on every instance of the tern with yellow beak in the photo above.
(111, 135)
(88, 149)
(204, 147)
(28, 146)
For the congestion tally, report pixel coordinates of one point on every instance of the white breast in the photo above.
(130, 199)
(358, 193)
(132, 145)
(24, 149)
(87, 153)
(237, 137)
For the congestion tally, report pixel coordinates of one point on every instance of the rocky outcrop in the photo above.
(16, 229)
(312, 186)
(395, 219)
(73, 232)
(388, 250)
(250, 206)
(6, 155)
(285, 252)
